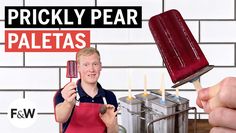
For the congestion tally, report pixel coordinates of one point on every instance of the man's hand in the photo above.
(69, 93)
(64, 109)
(110, 119)
(220, 102)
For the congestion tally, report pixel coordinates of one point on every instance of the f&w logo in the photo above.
(22, 113)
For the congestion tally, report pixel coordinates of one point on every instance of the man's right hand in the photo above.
(69, 92)
(219, 102)
(64, 109)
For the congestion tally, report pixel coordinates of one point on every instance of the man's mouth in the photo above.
(92, 75)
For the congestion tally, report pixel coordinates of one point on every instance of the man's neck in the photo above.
(90, 89)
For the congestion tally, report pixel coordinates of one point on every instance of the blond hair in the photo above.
(86, 52)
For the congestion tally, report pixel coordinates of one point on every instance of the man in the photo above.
(220, 102)
(82, 115)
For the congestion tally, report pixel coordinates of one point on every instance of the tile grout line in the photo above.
(23, 59)
(59, 78)
(234, 10)
(199, 31)
(235, 54)
(163, 5)
(23, 94)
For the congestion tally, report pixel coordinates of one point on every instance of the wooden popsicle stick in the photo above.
(130, 72)
(197, 85)
(129, 90)
(177, 91)
(162, 88)
(145, 85)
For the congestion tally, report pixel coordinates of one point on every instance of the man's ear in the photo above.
(101, 66)
(78, 67)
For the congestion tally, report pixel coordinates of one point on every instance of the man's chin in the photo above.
(91, 81)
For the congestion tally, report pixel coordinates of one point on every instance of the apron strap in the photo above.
(104, 100)
(77, 98)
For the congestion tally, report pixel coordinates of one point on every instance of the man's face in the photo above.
(89, 68)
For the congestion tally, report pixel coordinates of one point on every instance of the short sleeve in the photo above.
(111, 98)
(58, 98)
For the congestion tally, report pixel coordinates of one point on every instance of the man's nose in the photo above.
(91, 67)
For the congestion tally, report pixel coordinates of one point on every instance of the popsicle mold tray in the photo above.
(149, 114)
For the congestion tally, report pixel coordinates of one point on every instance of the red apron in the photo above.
(86, 119)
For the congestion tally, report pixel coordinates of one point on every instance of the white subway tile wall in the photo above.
(7, 97)
(194, 27)
(29, 78)
(140, 35)
(2, 33)
(221, 59)
(48, 58)
(218, 31)
(42, 104)
(37, 76)
(203, 9)
(10, 59)
(109, 35)
(216, 75)
(136, 75)
(132, 55)
(44, 124)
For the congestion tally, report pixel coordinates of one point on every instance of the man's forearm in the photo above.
(113, 128)
(63, 111)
